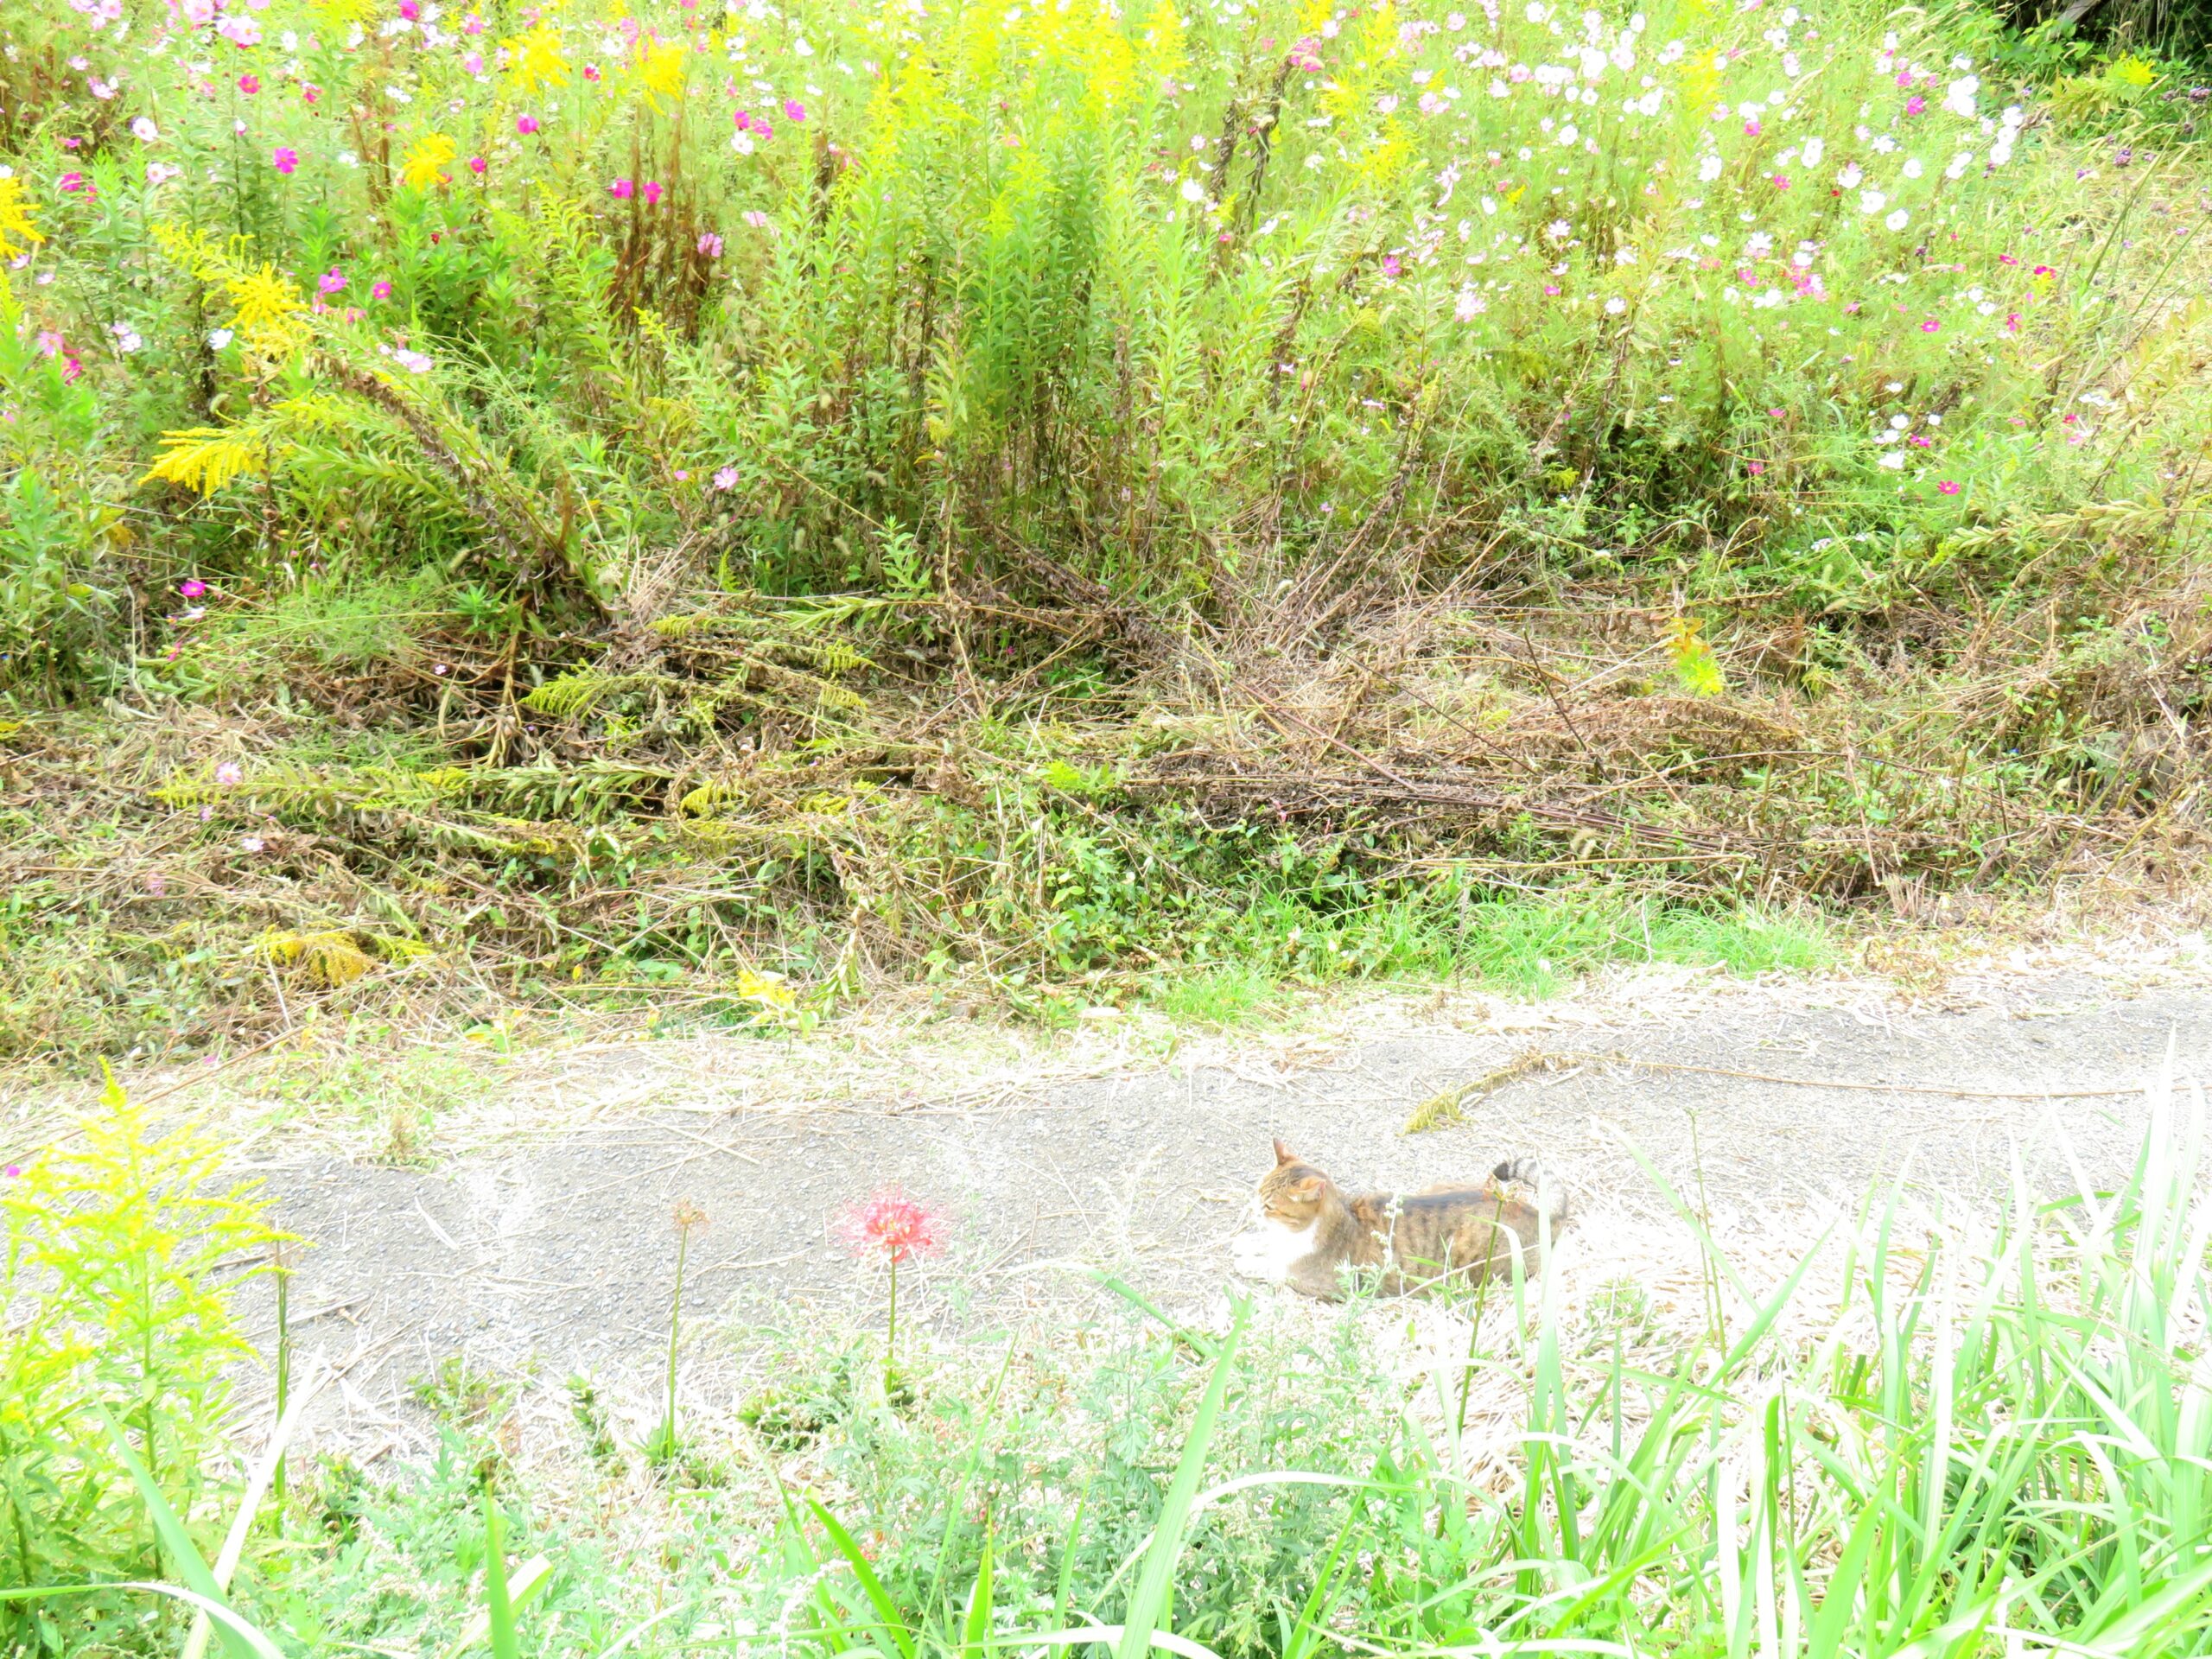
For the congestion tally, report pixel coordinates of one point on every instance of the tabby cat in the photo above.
(1309, 1231)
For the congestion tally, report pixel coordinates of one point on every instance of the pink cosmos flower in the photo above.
(1948, 487)
(284, 160)
(525, 125)
(591, 72)
(710, 245)
(1755, 468)
(622, 190)
(893, 1226)
(794, 112)
(1930, 326)
(1915, 104)
(653, 193)
(472, 24)
(310, 92)
(71, 184)
(248, 85)
(380, 290)
(1750, 129)
(726, 478)
(1551, 288)
(1781, 181)
(331, 281)
(763, 127)
(192, 588)
(1390, 265)
(409, 10)
(473, 63)
(477, 163)
(230, 774)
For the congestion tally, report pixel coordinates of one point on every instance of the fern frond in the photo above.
(574, 696)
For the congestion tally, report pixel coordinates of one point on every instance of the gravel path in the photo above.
(556, 1251)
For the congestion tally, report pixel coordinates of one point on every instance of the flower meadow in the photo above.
(832, 291)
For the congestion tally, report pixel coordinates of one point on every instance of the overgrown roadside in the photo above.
(1057, 509)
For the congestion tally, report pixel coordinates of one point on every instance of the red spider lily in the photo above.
(894, 1226)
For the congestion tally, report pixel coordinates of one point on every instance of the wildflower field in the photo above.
(739, 509)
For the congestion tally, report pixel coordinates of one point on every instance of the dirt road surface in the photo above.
(554, 1249)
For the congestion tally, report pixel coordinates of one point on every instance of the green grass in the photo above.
(1534, 946)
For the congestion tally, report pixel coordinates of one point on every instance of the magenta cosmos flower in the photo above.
(525, 125)
(284, 159)
(622, 190)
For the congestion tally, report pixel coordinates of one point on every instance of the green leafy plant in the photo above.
(115, 1235)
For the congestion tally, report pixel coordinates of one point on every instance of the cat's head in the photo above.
(1292, 1192)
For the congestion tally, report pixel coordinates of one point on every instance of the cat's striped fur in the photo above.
(1311, 1235)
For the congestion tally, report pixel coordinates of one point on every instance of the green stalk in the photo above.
(283, 1358)
(667, 1437)
(891, 1327)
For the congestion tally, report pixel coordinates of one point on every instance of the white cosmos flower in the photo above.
(1871, 201)
(1815, 149)
(1708, 170)
(1960, 163)
(1193, 192)
(1894, 460)
(1850, 176)
(1614, 306)
(1912, 168)
(1896, 220)
(144, 130)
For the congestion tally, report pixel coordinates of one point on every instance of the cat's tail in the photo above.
(1529, 1172)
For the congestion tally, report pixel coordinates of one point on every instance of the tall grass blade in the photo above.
(1147, 1609)
(197, 1576)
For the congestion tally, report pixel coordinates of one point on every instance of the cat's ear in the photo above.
(1283, 1156)
(1307, 1188)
